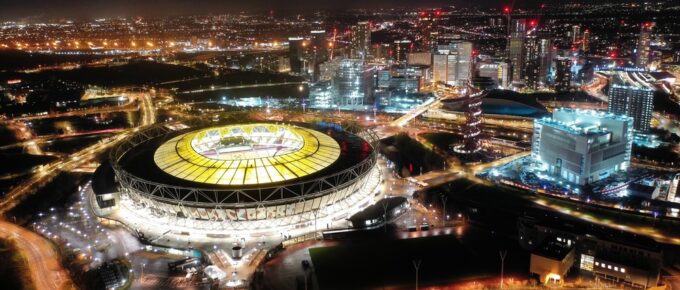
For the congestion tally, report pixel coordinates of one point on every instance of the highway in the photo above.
(95, 110)
(595, 87)
(48, 138)
(46, 271)
(43, 261)
(47, 172)
(214, 88)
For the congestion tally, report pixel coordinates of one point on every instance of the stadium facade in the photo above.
(243, 178)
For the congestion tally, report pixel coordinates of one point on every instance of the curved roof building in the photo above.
(242, 178)
(246, 154)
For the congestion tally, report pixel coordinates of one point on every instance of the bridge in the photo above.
(248, 86)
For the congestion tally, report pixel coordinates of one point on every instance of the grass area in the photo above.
(443, 140)
(54, 194)
(409, 155)
(498, 207)
(444, 259)
(14, 272)
(18, 163)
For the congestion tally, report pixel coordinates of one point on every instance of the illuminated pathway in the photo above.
(403, 120)
(46, 271)
(49, 171)
(113, 109)
(639, 229)
(42, 260)
(214, 88)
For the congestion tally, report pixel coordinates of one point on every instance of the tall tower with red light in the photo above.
(643, 50)
(428, 27)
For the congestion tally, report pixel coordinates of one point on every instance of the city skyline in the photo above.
(339, 145)
(40, 9)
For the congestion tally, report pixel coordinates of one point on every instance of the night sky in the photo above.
(16, 10)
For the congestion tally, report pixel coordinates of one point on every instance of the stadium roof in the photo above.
(246, 154)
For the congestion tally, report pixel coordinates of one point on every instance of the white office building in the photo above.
(583, 146)
(452, 63)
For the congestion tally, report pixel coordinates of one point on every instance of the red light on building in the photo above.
(648, 24)
(438, 13)
(613, 54)
(533, 23)
(506, 10)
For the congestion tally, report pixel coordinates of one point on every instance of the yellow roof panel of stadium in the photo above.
(247, 154)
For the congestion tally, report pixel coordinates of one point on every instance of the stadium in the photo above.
(242, 178)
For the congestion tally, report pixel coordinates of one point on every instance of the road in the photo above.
(403, 120)
(595, 87)
(48, 138)
(46, 271)
(45, 173)
(43, 261)
(214, 88)
(95, 110)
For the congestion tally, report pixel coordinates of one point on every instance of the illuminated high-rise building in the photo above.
(419, 58)
(531, 61)
(440, 67)
(319, 44)
(538, 58)
(428, 24)
(515, 47)
(562, 74)
(401, 49)
(585, 42)
(631, 97)
(452, 63)
(361, 39)
(643, 50)
(296, 54)
(518, 26)
(319, 51)
(575, 34)
(674, 188)
(349, 83)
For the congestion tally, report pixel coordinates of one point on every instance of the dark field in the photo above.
(444, 259)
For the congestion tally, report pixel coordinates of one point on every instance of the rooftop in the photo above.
(581, 124)
(553, 250)
(246, 154)
(633, 80)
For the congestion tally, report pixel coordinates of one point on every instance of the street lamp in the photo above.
(142, 276)
(502, 254)
(416, 264)
(316, 213)
(444, 198)
(384, 205)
